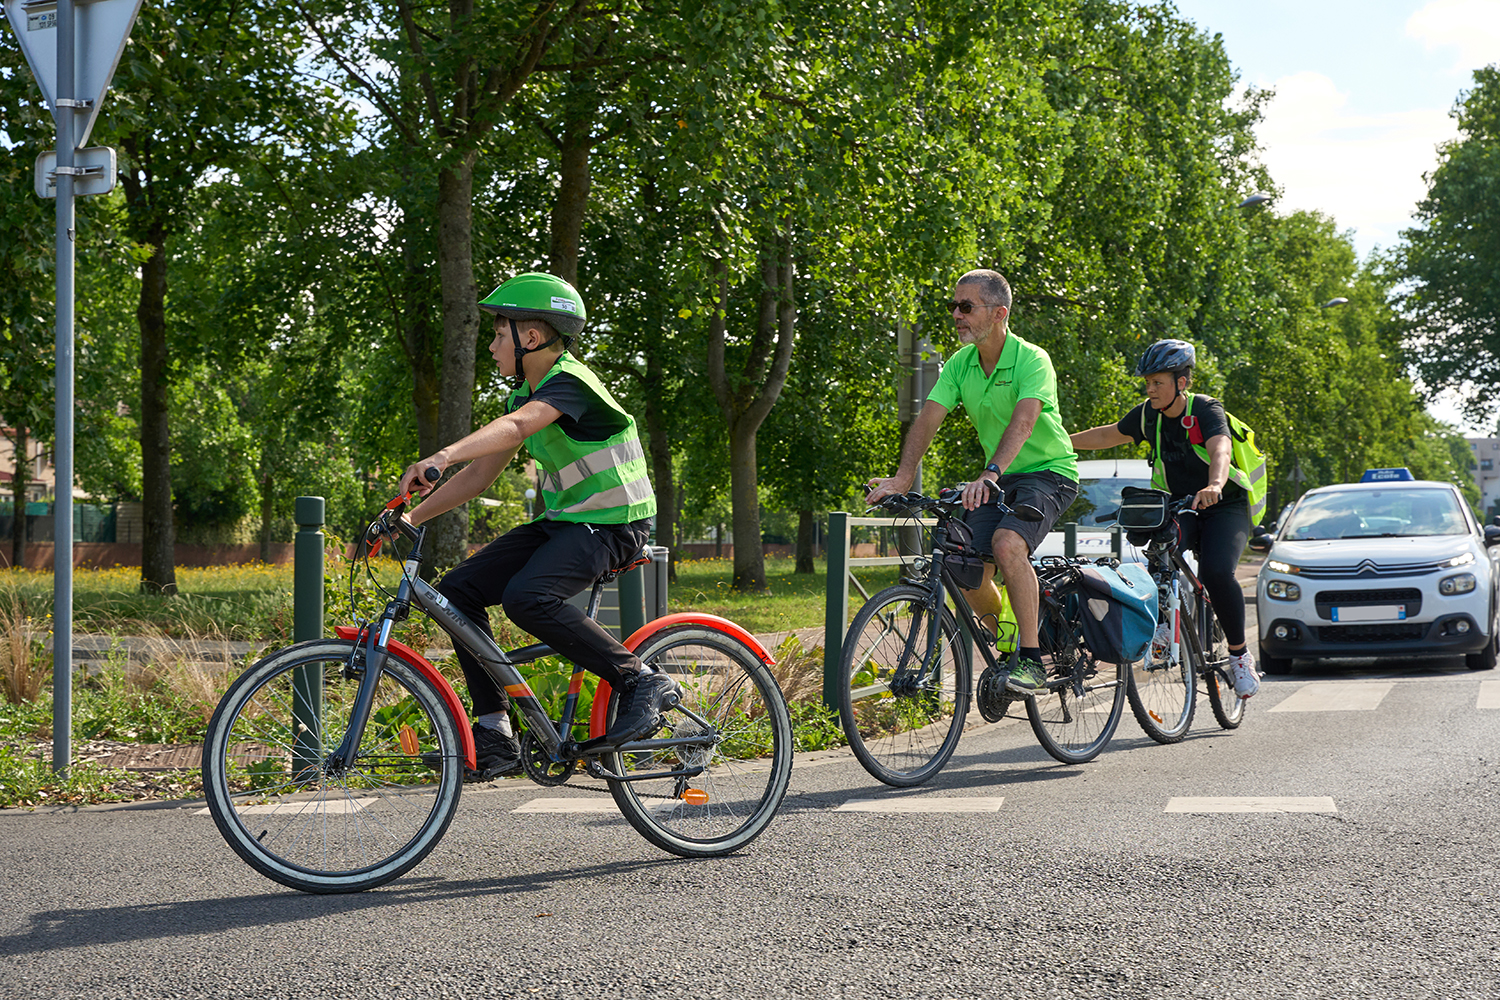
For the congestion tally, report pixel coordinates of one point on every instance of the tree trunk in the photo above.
(158, 565)
(419, 338)
(572, 202)
(18, 501)
(266, 500)
(747, 401)
(460, 337)
(805, 530)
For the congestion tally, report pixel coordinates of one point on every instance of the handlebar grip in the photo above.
(432, 475)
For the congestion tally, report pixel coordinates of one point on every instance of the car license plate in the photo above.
(1371, 613)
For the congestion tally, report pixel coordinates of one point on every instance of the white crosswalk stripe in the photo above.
(1251, 804)
(1489, 694)
(1341, 696)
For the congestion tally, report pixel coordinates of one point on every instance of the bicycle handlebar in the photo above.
(951, 497)
(382, 526)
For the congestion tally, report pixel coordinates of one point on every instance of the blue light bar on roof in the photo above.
(1401, 475)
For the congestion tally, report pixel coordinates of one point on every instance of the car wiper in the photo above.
(1383, 534)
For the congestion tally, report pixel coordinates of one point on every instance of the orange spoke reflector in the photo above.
(408, 738)
(1155, 716)
(695, 796)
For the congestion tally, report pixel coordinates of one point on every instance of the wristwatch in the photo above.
(992, 467)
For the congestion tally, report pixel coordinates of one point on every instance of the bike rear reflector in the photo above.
(695, 796)
(408, 738)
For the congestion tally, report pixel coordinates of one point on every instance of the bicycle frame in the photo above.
(501, 666)
(1167, 562)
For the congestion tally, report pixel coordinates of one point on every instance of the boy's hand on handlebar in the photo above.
(421, 475)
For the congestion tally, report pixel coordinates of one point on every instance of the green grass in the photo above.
(790, 600)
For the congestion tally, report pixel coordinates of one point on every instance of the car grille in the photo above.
(1370, 570)
(1409, 596)
(1370, 633)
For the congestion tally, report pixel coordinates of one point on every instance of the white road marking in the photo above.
(926, 804)
(1489, 694)
(329, 807)
(1340, 696)
(602, 804)
(1251, 804)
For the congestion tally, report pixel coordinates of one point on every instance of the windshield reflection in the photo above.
(1392, 513)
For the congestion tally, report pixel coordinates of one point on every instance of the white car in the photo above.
(1099, 484)
(1392, 566)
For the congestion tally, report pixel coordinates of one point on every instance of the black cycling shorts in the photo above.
(1049, 492)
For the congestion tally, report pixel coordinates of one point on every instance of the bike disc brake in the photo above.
(539, 765)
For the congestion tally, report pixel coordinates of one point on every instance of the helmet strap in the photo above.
(521, 352)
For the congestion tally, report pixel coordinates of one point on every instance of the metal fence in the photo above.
(91, 522)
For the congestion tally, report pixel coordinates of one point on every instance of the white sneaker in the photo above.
(1161, 642)
(1246, 677)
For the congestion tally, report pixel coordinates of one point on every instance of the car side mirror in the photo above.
(1492, 534)
(1261, 540)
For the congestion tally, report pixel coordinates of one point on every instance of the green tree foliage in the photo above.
(1452, 258)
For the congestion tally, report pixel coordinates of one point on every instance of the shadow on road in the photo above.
(70, 928)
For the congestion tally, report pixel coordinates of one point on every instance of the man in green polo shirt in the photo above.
(1009, 391)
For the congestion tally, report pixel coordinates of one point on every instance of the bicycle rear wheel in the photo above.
(1227, 705)
(730, 698)
(305, 822)
(903, 716)
(1077, 716)
(1163, 695)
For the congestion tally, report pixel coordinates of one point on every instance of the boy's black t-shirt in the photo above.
(584, 415)
(1186, 472)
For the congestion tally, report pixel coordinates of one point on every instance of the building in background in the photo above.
(39, 485)
(1486, 468)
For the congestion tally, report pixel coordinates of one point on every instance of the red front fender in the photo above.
(601, 696)
(419, 663)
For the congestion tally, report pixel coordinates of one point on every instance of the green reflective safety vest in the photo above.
(1247, 466)
(596, 482)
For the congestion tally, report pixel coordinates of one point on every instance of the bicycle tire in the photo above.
(1228, 707)
(747, 767)
(1164, 695)
(321, 829)
(1078, 715)
(904, 737)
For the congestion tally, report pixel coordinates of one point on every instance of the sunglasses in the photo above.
(965, 306)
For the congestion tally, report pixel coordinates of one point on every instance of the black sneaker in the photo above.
(496, 754)
(638, 710)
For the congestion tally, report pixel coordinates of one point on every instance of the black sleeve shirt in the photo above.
(1186, 471)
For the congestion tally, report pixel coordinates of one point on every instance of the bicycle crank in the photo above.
(539, 765)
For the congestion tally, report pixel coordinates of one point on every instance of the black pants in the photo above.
(531, 571)
(1217, 535)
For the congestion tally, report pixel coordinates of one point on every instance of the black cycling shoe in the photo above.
(638, 712)
(496, 754)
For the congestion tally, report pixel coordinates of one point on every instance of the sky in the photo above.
(1363, 94)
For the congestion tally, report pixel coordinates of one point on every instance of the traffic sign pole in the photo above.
(62, 507)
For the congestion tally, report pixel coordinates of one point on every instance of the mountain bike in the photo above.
(906, 665)
(1163, 684)
(336, 765)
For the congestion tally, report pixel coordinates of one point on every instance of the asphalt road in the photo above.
(1082, 883)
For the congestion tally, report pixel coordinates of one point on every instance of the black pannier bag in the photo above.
(966, 565)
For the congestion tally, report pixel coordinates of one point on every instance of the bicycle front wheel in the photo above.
(1227, 705)
(902, 710)
(1162, 694)
(737, 773)
(311, 823)
(1078, 714)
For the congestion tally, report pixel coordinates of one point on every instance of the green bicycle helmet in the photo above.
(535, 295)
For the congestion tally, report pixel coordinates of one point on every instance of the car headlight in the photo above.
(1277, 566)
(1460, 583)
(1464, 560)
(1283, 590)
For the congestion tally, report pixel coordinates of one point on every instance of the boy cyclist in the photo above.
(598, 510)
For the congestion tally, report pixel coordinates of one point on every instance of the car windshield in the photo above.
(1098, 496)
(1391, 513)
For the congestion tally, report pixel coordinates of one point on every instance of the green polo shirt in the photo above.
(1023, 372)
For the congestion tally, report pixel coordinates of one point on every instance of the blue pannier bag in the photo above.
(1118, 611)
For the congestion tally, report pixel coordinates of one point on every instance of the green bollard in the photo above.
(632, 591)
(836, 609)
(307, 623)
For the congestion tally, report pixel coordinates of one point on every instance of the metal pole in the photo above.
(836, 611)
(62, 507)
(307, 623)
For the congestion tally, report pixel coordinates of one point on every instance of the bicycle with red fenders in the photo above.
(336, 765)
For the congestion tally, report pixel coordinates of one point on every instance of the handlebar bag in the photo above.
(966, 565)
(1143, 509)
(1118, 611)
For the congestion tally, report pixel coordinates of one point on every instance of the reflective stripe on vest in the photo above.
(599, 482)
(1236, 474)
